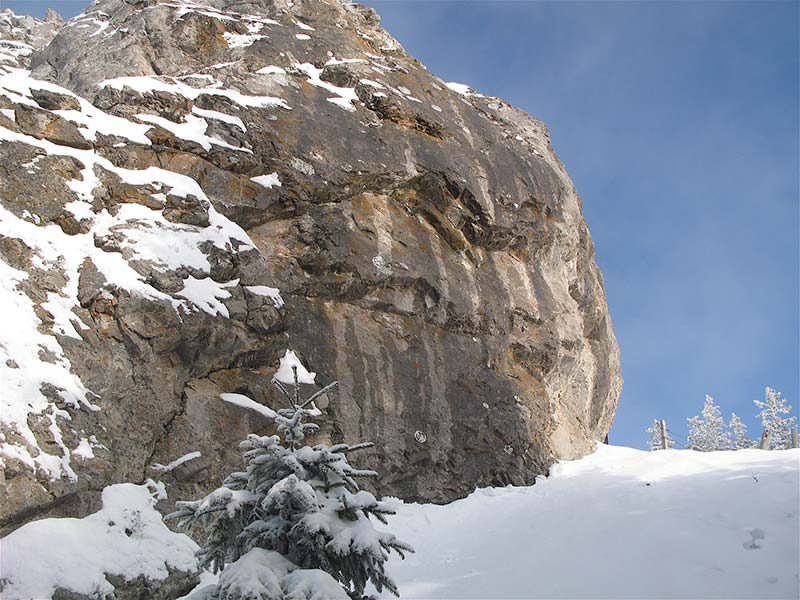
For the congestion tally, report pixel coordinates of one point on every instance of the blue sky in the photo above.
(678, 123)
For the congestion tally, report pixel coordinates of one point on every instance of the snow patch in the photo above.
(271, 70)
(285, 373)
(272, 293)
(207, 294)
(461, 88)
(268, 181)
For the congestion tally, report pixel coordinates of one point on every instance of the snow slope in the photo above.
(620, 523)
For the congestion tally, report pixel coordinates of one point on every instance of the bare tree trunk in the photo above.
(794, 437)
(664, 442)
(765, 439)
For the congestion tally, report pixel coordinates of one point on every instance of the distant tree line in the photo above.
(709, 432)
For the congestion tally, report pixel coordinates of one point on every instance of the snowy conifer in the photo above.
(772, 410)
(656, 441)
(300, 502)
(741, 440)
(707, 433)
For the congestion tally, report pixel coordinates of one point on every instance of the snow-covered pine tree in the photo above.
(741, 441)
(707, 433)
(301, 502)
(772, 410)
(656, 440)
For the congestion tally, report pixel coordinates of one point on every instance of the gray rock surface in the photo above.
(427, 243)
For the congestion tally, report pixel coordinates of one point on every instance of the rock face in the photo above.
(188, 191)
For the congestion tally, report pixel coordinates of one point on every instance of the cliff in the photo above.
(188, 191)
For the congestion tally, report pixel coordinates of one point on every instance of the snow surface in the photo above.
(126, 537)
(266, 574)
(620, 523)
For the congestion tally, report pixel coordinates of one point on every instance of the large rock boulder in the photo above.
(168, 167)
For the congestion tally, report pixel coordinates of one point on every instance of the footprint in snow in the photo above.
(755, 535)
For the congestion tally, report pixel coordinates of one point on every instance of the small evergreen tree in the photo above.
(741, 440)
(707, 433)
(656, 440)
(301, 502)
(772, 410)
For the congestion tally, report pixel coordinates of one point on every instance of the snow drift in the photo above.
(126, 538)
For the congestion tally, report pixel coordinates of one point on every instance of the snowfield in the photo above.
(620, 523)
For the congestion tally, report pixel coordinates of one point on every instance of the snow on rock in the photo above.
(620, 523)
(11, 52)
(18, 85)
(245, 402)
(171, 85)
(267, 181)
(219, 116)
(345, 97)
(462, 88)
(185, 6)
(31, 356)
(271, 70)
(192, 129)
(126, 538)
(285, 373)
(206, 294)
(23, 371)
(237, 40)
(304, 26)
(272, 293)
